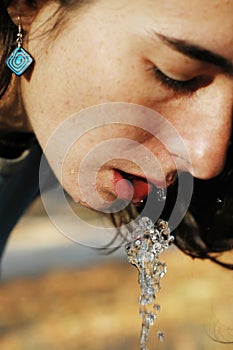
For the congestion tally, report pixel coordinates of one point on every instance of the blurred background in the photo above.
(57, 294)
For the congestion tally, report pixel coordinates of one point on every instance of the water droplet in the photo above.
(161, 336)
(157, 308)
(137, 242)
(145, 224)
(161, 269)
(161, 194)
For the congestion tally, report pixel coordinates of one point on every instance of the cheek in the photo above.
(66, 80)
(51, 101)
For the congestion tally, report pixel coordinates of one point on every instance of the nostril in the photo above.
(171, 178)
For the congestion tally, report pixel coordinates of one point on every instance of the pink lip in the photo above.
(136, 189)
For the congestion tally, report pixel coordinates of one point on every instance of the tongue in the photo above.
(141, 190)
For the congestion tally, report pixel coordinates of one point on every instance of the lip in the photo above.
(131, 187)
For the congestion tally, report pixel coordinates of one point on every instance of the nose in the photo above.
(207, 130)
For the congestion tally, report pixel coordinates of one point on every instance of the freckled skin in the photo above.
(106, 54)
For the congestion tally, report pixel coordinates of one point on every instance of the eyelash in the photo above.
(177, 86)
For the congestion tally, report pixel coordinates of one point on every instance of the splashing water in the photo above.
(161, 194)
(146, 243)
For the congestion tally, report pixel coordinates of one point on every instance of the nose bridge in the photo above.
(208, 135)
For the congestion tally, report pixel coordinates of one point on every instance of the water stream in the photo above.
(146, 243)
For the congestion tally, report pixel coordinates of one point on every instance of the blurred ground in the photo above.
(79, 300)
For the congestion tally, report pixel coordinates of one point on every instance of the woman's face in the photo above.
(175, 57)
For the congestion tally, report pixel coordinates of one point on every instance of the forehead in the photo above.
(185, 16)
(191, 8)
(205, 23)
(208, 23)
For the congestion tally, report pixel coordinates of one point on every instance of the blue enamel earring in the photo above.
(19, 60)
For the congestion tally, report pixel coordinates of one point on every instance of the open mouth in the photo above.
(131, 187)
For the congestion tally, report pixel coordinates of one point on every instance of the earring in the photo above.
(19, 60)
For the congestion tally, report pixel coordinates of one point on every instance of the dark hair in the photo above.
(8, 32)
(206, 230)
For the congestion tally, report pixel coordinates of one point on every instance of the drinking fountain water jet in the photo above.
(146, 243)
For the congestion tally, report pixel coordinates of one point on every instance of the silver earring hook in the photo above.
(19, 39)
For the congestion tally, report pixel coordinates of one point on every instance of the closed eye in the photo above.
(185, 87)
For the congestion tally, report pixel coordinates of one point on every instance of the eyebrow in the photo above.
(197, 52)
